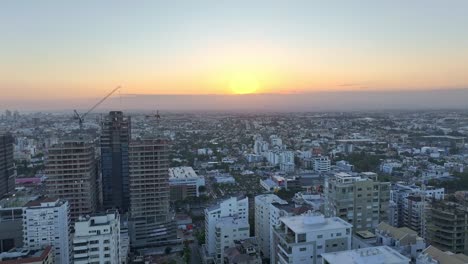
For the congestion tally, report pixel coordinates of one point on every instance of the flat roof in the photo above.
(182, 173)
(312, 222)
(374, 255)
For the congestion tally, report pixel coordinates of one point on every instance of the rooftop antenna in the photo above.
(80, 117)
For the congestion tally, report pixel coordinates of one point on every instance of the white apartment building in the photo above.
(374, 255)
(232, 207)
(322, 164)
(228, 230)
(184, 182)
(46, 222)
(97, 239)
(262, 220)
(304, 238)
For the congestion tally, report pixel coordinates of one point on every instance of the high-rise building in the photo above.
(115, 139)
(304, 238)
(322, 164)
(7, 167)
(447, 226)
(262, 220)
(46, 222)
(359, 200)
(72, 175)
(150, 220)
(231, 214)
(97, 239)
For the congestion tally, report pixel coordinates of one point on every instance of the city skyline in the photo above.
(71, 51)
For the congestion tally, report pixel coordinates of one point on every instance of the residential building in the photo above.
(72, 175)
(7, 166)
(236, 211)
(447, 226)
(11, 221)
(115, 139)
(228, 230)
(243, 252)
(322, 164)
(402, 239)
(262, 221)
(184, 182)
(97, 239)
(359, 200)
(46, 222)
(433, 255)
(413, 213)
(28, 256)
(305, 238)
(374, 255)
(150, 221)
(278, 210)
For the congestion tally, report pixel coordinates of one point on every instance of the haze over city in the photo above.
(58, 55)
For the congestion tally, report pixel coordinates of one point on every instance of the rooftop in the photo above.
(445, 257)
(182, 173)
(24, 256)
(312, 222)
(375, 255)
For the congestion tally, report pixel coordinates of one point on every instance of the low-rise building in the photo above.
(404, 240)
(243, 252)
(28, 256)
(433, 255)
(184, 182)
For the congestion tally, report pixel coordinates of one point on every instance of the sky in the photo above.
(74, 50)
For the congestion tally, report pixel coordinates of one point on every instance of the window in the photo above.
(319, 236)
(338, 234)
(303, 249)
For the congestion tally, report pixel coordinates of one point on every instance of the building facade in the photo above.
(71, 171)
(97, 239)
(115, 139)
(262, 221)
(304, 238)
(236, 211)
(184, 182)
(150, 221)
(46, 222)
(7, 166)
(359, 200)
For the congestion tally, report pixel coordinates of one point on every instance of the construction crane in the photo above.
(80, 118)
(155, 117)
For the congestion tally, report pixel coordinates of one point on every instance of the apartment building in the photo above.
(447, 226)
(46, 222)
(236, 211)
(359, 200)
(262, 220)
(97, 239)
(304, 238)
(151, 223)
(7, 166)
(71, 171)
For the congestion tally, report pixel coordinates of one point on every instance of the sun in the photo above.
(244, 84)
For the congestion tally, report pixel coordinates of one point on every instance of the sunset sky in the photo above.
(82, 49)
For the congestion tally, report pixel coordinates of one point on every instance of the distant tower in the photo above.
(115, 140)
(150, 220)
(7, 170)
(72, 174)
